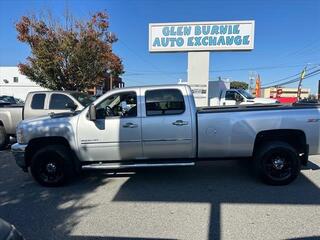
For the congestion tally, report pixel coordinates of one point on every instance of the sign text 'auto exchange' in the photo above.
(207, 36)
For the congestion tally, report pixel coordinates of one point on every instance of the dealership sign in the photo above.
(201, 36)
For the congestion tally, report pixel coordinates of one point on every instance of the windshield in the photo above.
(8, 99)
(245, 93)
(84, 98)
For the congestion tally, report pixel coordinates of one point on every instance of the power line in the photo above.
(259, 68)
(128, 73)
(297, 79)
(314, 73)
(138, 55)
(285, 78)
(289, 82)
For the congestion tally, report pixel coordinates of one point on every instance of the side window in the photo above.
(164, 102)
(230, 95)
(38, 101)
(118, 105)
(60, 101)
(238, 97)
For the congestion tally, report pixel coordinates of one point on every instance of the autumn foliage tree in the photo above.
(76, 55)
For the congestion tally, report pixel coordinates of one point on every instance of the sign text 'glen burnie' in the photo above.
(201, 35)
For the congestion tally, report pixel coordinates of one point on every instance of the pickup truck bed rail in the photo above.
(256, 107)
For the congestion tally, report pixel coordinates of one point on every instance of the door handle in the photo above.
(180, 123)
(130, 125)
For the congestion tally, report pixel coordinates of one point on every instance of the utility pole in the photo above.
(251, 80)
(318, 89)
(303, 73)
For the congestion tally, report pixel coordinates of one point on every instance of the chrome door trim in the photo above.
(137, 165)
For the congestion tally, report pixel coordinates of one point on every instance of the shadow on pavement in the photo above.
(38, 212)
(311, 166)
(306, 238)
(112, 238)
(52, 213)
(225, 182)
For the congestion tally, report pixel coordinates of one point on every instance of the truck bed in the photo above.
(230, 131)
(11, 106)
(255, 107)
(10, 116)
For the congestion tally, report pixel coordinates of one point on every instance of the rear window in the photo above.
(164, 102)
(59, 101)
(38, 101)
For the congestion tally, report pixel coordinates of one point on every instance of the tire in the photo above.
(52, 166)
(4, 138)
(277, 163)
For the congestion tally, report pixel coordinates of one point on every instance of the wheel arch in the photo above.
(37, 143)
(294, 137)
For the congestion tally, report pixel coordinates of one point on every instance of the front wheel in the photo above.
(52, 166)
(277, 163)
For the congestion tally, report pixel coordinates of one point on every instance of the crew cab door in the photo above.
(116, 133)
(166, 124)
(35, 105)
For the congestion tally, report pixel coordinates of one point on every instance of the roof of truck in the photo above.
(53, 91)
(133, 87)
(151, 86)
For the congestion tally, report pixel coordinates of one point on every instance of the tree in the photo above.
(74, 56)
(239, 85)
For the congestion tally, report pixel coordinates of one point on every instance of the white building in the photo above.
(13, 83)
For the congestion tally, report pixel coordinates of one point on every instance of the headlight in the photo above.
(20, 136)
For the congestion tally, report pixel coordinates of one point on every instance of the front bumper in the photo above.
(18, 151)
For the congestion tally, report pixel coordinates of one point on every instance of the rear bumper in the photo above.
(18, 151)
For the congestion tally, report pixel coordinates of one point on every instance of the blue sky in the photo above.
(287, 36)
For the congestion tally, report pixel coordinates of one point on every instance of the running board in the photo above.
(135, 165)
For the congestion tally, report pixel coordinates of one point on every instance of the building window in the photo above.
(15, 79)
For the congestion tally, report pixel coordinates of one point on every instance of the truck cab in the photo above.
(40, 103)
(241, 97)
(127, 124)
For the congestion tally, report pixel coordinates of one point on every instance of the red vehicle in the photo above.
(287, 100)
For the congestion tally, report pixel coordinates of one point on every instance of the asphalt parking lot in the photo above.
(223, 201)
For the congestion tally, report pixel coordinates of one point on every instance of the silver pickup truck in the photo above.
(159, 126)
(37, 104)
